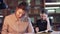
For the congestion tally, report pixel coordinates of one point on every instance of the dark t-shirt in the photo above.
(42, 24)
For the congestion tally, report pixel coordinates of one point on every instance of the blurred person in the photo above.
(3, 4)
(18, 22)
(43, 24)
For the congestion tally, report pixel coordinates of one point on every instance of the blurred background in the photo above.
(35, 7)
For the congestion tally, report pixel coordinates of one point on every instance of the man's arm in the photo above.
(4, 29)
(37, 28)
(30, 27)
(48, 25)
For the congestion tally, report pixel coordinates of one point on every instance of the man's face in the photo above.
(20, 13)
(43, 16)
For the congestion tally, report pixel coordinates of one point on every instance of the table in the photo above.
(54, 32)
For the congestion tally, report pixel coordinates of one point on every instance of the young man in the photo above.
(43, 24)
(19, 22)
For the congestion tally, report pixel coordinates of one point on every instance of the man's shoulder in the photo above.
(9, 16)
(39, 20)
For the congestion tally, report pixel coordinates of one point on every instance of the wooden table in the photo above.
(54, 32)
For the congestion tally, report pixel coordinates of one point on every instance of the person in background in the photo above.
(43, 24)
(3, 4)
(18, 22)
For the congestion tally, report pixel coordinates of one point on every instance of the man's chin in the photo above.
(20, 17)
(44, 19)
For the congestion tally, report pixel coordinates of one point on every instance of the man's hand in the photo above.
(46, 30)
(47, 17)
(37, 29)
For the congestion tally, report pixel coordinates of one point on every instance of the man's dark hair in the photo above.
(23, 5)
(44, 11)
